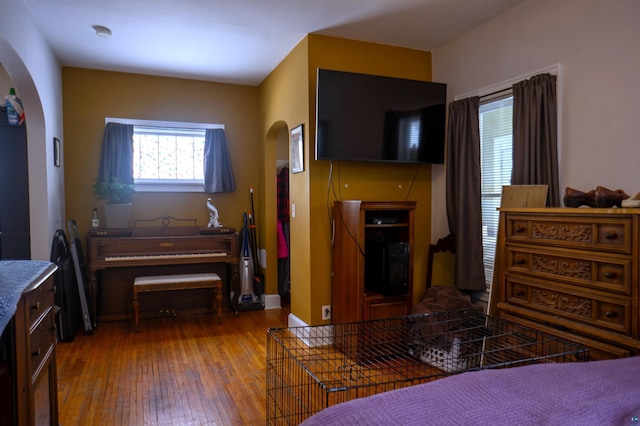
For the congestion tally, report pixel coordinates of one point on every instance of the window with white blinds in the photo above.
(496, 146)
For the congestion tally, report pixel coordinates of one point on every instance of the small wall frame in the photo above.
(56, 152)
(297, 149)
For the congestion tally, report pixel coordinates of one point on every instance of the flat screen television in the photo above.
(361, 117)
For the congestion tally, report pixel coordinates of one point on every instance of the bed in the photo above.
(586, 393)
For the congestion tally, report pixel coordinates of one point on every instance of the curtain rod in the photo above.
(495, 93)
(553, 69)
(161, 123)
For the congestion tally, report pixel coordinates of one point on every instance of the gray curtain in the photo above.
(116, 157)
(535, 135)
(463, 192)
(218, 173)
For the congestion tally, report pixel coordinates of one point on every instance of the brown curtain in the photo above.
(535, 135)
(463, 192)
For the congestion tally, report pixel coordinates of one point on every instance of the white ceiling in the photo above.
(239, 41)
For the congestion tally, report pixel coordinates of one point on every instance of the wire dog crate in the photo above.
(311, 368)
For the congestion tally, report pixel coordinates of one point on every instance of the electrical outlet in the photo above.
(326, 312)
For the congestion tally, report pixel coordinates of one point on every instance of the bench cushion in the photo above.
(185, 278)
(175, 282)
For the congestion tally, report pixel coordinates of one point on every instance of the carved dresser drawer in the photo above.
(574, 267)
(589, 308)
(573, 271)
(589, 232)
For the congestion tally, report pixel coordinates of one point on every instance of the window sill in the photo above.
(169, 187)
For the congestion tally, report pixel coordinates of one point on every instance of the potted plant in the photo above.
(117, 196)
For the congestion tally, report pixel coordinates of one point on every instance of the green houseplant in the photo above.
(113, 191)
(117, 196)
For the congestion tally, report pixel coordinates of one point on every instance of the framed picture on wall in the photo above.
(297, 150)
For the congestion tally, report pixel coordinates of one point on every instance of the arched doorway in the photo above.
(276, 210)
(46, 182)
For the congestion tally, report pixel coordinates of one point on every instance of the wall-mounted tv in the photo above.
(362, 117)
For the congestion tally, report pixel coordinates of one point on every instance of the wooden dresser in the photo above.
(572, 272)
(28, 381)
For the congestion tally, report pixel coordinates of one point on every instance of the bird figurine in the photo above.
(213, 215)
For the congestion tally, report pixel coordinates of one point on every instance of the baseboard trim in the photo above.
(311, 336)
(272, 301)
(294, 321)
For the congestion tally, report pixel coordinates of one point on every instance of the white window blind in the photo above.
(496, 147)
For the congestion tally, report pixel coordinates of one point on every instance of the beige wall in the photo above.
(595, 44)
(35, 72)
(5, 83)
(90, 96)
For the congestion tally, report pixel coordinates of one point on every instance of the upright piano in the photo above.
(155, 250)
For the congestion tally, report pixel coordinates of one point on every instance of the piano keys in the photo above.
(126, 253)
(148, 257)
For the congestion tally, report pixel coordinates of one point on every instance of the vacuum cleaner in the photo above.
(247, 299)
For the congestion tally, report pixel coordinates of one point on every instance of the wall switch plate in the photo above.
(326, 312)
(262, 257)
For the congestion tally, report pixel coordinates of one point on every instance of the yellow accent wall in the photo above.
(89, 96)
(281, 96)
(284, 104)
(258, 121)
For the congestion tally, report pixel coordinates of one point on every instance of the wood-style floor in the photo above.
(175, 371)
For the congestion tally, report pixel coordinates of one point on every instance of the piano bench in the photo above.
(177, 282)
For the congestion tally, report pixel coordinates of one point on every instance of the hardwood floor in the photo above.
(175, 371)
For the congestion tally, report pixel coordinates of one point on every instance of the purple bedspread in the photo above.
(589, 393)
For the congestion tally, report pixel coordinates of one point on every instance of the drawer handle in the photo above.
(520, 293)
(37, 353)
(611, 235)
(610, 275)
(519, 228)
(520, 261)
(609, 314)
(36, 307)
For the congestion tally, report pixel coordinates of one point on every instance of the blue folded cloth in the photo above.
(15, 276)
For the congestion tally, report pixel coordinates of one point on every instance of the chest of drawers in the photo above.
(572, 273)
(28, 381)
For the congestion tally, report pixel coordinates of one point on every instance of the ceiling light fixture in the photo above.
(102, 31)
